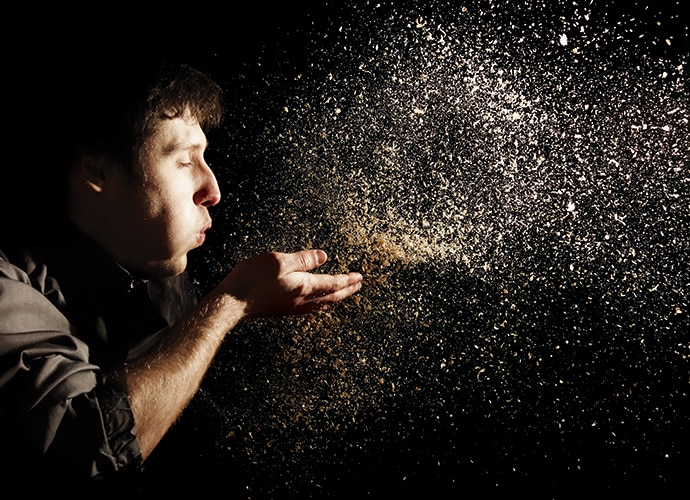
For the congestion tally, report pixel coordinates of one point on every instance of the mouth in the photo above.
(201, 236)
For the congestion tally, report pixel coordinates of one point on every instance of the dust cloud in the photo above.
(512, 180)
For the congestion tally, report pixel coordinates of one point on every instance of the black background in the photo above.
(402, 450)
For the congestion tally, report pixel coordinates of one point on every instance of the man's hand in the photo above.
(278, 284)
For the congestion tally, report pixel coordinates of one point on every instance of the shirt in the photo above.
(68, 315)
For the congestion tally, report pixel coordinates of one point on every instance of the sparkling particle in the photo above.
(520, 215)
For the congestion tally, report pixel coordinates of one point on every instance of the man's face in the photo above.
(165, 210)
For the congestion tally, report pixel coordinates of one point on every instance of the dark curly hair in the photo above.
(104, 104)
(122, 104)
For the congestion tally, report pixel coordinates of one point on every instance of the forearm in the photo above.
(163, 381)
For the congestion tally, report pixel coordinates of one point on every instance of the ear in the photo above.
(91, 169)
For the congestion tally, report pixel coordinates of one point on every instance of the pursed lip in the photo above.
(202, 234)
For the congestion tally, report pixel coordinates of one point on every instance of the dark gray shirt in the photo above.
(68, 316)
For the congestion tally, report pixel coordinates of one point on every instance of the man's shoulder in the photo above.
(25, 267)
(15, 267)
(29, 298)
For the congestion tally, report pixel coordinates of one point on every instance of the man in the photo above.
(102, 341)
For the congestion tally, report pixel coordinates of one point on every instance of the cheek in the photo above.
(169, 209)
(175, 216)
(162, 203)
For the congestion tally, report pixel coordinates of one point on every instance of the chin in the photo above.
(168, 268)
(178, 267)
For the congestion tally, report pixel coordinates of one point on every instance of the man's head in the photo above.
(117, 104)
(137, 180)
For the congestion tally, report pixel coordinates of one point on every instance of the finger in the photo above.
(327, 283)
(306, 260)
(334, 288)
(343, 293)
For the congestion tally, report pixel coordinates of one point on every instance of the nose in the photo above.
(208, 193)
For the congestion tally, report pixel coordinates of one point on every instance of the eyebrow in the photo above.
(174, 147)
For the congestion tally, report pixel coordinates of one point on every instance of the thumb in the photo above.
(310, 259)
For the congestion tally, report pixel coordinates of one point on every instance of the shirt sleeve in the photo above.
(56, 408)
